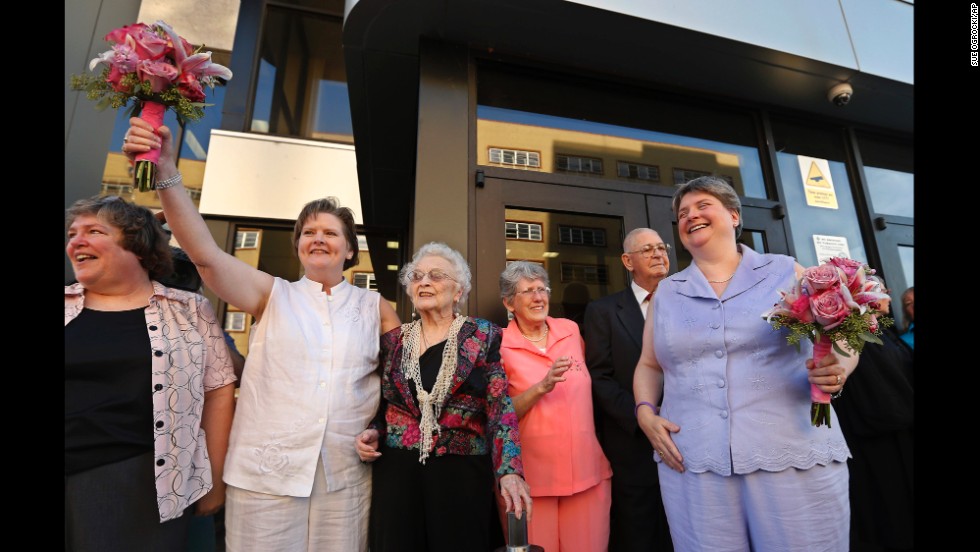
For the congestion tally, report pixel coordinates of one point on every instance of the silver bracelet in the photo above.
(169, 182)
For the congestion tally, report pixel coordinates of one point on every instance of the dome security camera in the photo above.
(840, 95)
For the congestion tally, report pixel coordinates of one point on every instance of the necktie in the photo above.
(648, 297)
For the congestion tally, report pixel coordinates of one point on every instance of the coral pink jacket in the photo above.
(559, 447)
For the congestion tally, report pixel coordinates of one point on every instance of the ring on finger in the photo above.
(838, 379)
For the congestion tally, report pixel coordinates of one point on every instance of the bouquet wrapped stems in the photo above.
(145, 173)
(820, 401)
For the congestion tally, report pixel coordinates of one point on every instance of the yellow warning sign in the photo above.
(817, 182)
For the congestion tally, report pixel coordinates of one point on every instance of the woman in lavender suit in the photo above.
(740, 465)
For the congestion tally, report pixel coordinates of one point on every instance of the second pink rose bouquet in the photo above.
(155, 69)
(836, 301)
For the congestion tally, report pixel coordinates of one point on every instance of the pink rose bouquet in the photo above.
(834, 302)
(153, 68)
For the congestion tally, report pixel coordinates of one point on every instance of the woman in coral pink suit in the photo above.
(552, 393)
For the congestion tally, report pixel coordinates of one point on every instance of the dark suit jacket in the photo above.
(613, 330)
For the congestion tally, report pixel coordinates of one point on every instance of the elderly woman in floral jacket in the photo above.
(446, 428)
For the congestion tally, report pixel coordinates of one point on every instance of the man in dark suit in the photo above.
(613, 330)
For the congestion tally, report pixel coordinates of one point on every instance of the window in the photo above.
(235, 321)
(571, 163)
(365, 280)
(582, 236)
(682, 176)
(301, 84)
(514, 230)
(247, 239)
(638, 171)
(515, 157)
(121, 190)
(585, 273)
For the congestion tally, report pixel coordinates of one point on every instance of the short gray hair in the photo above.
(518, 270)
(628, 244)
(716, 186)
(439, 249)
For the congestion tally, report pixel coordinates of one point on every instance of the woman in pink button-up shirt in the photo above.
(552, 393)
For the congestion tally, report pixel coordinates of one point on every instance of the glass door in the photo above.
(575, 233)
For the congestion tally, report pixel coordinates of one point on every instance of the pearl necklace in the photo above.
(534, 340)
(430, 402)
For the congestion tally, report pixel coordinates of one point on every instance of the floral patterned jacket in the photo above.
(478, 416)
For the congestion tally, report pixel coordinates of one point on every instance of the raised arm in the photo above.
(231, 279)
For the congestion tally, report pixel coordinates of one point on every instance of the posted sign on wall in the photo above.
(817, 182)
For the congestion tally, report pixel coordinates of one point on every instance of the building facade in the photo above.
(545, 129)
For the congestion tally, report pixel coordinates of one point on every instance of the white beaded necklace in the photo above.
(430, 402)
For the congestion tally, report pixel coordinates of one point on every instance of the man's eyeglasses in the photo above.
(435, 275)
(649, 250)
(532, 293)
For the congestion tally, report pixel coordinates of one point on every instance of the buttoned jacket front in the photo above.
(559, 446)
(737, 390)
(188, 358)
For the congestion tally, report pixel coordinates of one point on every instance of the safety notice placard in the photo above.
(830, 246)
(817, 182)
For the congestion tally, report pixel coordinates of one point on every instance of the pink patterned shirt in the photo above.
(189, 358)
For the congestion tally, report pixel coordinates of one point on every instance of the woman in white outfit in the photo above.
(310, 383)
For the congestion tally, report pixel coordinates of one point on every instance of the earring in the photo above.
(414, 314)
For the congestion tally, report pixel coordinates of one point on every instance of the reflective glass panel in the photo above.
(907, 254)
(576, 146)
(301, 88)
(579, 270)
(889, 172)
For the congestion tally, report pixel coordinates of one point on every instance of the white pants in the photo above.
(324, 521)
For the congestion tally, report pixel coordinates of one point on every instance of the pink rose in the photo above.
(119, 35)
(800, 309)
(829, 308)
(821, 277)
(148, 44)
(114, 78)
(190, 88)
(854, 272)
(159, 73)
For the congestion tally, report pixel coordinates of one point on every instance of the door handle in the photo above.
(880, 223)
(778, 211)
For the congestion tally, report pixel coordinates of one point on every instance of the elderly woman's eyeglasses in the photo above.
(649, 250)
(532, 293)
(435, 275)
